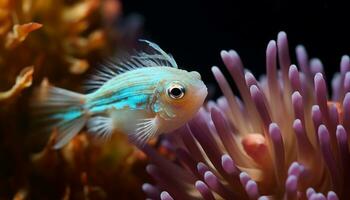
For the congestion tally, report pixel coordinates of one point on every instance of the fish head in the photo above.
(182, 95)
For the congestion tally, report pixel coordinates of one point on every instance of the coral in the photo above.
(23, 80)
(58, 41)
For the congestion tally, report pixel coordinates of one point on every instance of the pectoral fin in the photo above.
(145, 130)
(101, 126)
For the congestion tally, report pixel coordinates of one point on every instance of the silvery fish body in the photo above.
(142, 96)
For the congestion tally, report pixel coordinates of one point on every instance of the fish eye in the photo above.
(176, 91)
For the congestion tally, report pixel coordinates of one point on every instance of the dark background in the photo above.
(195, 31)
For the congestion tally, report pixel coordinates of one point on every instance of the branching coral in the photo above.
(60, 40)
(23, 80)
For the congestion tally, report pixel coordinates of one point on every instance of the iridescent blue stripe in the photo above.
(135, 97)
(69, 115)
(138, 102)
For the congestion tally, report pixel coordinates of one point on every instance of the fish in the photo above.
(143, 95)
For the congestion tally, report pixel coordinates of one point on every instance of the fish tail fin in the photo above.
(61, 110)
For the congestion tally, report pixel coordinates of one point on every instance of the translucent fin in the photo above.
(153, 56)
(145, 130)
(61, 109)
(104, 73)
(101, 126)
(67, 130)
(163, 56)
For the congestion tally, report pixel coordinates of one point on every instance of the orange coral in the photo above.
(60, 40)
(23, 80)
(19, 34)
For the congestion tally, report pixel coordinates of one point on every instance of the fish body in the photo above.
(142, 96)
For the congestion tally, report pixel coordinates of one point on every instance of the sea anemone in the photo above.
(282, 138)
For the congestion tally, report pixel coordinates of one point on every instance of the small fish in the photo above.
(143, 96)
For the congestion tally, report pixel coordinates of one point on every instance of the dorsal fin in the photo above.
(161, 54)
(153, 56)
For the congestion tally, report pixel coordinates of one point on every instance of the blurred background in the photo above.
(196, 31)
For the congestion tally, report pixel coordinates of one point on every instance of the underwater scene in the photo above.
(174, 100)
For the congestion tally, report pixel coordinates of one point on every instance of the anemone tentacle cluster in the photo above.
(283, 138)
